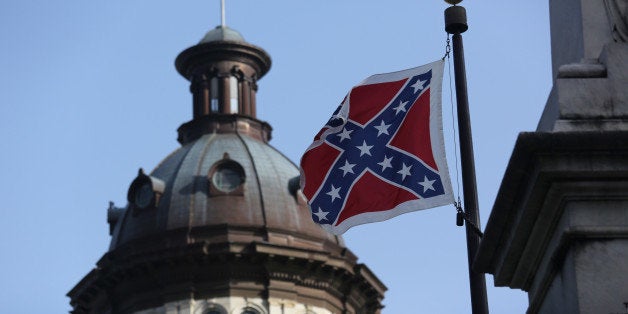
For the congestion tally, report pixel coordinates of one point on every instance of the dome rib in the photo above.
(179, 208)
(196, 183)
(259, 183)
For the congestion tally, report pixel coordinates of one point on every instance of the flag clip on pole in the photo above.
(456, 24)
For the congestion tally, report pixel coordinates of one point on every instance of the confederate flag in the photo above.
(381, 154)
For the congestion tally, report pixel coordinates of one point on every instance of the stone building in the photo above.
(220, 226)
(559, 226)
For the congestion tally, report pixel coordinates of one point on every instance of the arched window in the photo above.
(213, 308)
(213, 87)
(250, 310)
(233, 94)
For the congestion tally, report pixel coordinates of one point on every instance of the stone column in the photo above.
(559, 225)
(589, 66)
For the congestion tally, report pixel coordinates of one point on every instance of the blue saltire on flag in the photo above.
(382, 152)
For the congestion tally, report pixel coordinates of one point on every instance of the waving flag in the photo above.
(381, 154)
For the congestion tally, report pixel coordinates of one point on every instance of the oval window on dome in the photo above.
(145, 191)
(227, 176)
(144, 195)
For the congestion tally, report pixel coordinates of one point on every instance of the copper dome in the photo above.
(257, 204)
(222, 216)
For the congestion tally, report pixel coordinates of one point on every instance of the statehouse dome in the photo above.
(224, 184)
(220, 225)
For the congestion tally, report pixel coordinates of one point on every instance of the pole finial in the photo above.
(453, 2)
(456, 19)
(223, 23)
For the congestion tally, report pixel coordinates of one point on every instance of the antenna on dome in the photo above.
(222, 13)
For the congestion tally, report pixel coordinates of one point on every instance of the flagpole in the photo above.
(455, 24)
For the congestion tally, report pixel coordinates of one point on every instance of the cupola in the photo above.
(223, 70)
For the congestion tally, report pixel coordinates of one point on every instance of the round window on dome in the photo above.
(227, 176)
(144, 195)
(145, 191)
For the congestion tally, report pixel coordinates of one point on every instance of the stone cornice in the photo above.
(546, 171)
(130, 280)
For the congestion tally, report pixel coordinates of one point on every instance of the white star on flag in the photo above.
(382, 128)
(345, 134)
(334, 193)
(321, 214)
(365, 149)
(418, 85)
(401, 107)
(385, 163)
(405, 171)
(347, 168)
(427, 184)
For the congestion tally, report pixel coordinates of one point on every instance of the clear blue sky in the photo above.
(89, 93)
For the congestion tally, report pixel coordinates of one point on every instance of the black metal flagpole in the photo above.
(455, 24)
